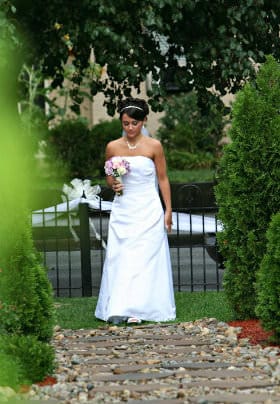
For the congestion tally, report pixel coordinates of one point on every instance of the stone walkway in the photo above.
(198, 362)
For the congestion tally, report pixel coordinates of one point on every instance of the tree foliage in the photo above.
(189, 136)
(217, 40)
(8, 35)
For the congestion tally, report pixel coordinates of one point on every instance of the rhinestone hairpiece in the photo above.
(132, 106)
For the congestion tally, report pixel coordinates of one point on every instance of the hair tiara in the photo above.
(131, 106)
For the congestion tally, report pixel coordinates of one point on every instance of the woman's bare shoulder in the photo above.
(152, 147)
(114, 143)
(154, 144)
(153, 141)
(113, 146)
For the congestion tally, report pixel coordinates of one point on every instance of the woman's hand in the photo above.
(117, 186)
(168, 220)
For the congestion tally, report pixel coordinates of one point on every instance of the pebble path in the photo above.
(195, 362)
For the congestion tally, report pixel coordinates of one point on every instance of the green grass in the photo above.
(76, 313)
(202, 175)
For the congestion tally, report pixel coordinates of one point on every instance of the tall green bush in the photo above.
(268, 281)
(26, 305)
(79, 149)
(11, 372)
(26, 291)
(32, 359)
(187, 128)
(101, 134)
(70, 144)
(248, 190)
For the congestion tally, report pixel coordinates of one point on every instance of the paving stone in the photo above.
(236, 398)
(225, 373)
(131, 376)
(200, 365)
(237, 384)
(186, 349)
(163, 401)
(132, 387)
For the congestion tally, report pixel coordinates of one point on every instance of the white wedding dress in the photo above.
(137, 276)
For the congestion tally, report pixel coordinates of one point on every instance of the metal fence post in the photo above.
(85, 250)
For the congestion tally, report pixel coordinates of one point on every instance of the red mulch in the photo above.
(253, 330)
(48, 381)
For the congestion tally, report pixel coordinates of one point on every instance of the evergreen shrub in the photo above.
(30, 312)
(268, 281)
(25, 293)
(248, 190)
(34, 358)
(11, 372)
(9, 320)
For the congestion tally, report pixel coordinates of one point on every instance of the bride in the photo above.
(137, 281)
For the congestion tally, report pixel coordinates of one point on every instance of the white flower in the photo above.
(122, 170)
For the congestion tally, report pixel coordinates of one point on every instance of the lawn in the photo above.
(199, 175)
(76, 313)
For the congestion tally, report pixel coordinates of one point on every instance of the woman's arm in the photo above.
(164, 185)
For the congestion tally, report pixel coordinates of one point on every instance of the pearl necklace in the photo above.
(130, 146)
(133, 146)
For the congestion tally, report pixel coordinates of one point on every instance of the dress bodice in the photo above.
(142, 174)
(139, 200)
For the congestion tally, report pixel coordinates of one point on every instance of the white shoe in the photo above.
(133, 320)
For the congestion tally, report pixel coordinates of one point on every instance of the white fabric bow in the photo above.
(81, 189)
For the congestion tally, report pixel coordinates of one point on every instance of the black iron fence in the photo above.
(73, 243)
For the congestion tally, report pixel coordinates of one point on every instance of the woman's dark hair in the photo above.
(135, 108)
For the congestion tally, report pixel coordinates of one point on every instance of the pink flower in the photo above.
(116, 166)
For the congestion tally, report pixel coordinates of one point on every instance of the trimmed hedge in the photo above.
(69, 145)
(248, 190)
(80, 150)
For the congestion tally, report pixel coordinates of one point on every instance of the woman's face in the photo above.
(131, 126)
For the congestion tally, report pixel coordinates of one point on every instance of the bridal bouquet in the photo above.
(117, 167)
